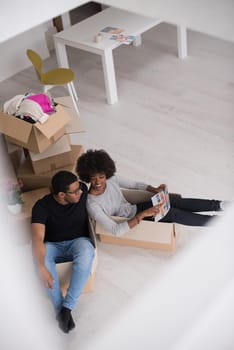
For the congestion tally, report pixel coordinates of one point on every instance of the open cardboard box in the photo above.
(56, 156)
(16, 154)
(63, 269)
(148, 234)
(35, 137)
(33, 181)
(75, 125)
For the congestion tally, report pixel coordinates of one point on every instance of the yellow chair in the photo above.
(54, 77)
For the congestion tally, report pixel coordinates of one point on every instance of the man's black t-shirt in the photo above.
(62, 222)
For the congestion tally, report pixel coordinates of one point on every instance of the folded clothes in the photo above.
(32, 109)
(11, 106)
(44, 101)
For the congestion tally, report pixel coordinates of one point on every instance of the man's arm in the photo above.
(39, 250)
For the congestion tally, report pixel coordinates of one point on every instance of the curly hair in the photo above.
(94, 162)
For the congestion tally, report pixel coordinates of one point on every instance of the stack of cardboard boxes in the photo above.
(37, 150)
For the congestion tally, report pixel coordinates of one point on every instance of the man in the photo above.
(60, 233)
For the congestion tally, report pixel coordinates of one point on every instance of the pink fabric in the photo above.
(44, 101)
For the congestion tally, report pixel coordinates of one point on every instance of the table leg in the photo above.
(109, 76)
(182, 41)
(61, 54)
(138, 41)
(62, 59)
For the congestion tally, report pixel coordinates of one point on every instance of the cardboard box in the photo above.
(33, 181)
(63, 269)
(75, 125)
(7, 172)
(56, 156)
(35, 137)
(148, 234)
(16, 154)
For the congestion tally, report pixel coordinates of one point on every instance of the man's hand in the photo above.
(46, 277)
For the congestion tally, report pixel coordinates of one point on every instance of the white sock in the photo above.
(224, 205)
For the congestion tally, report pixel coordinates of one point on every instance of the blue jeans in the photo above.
(81, 252)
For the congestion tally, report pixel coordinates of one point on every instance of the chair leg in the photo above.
(73, 94)
(73, 89)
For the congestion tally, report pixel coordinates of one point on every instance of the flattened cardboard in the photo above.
(35, 137)
(75, 125)
(56, 156)
(33, 181)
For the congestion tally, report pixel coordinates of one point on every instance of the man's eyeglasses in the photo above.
(75, 192)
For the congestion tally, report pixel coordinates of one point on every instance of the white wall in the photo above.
(24, 28)
(14, 58)
(213, 17)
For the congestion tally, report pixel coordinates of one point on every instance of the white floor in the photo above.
(173, 124)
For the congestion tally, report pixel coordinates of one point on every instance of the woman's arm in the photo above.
(129, 184)
(119, 228)
(153, 189)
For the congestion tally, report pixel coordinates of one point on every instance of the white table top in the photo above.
(82, 34)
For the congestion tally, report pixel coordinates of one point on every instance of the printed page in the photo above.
(112, 30)
(123, 38)
(161, 197)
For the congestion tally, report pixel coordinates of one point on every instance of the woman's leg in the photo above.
(187, 218)
(183, 217)
(194, 205)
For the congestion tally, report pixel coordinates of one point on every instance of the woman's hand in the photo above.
(152, 211)
(156, 189)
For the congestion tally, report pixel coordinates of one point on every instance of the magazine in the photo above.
(161, 197)
(123, 38)
(112, 30)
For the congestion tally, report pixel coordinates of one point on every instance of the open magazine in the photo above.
(161, 197)
(123, 38)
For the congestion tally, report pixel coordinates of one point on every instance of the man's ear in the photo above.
(61, 195)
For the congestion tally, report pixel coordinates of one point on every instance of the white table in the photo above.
(81, 36)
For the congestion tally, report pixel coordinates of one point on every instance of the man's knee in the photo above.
(85, 249)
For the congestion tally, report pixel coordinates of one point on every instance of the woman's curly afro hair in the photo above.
(95, 162)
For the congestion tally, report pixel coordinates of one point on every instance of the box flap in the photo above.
(76, 124)
(54, 123)
(60, 146)
(14, 127)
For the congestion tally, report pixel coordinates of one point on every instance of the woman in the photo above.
(105, 198)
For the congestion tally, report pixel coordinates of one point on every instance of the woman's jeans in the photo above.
(81, 252)
(184, 210)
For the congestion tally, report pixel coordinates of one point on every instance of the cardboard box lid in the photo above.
(26, 170)
(12, 126)
(75, 124)
(60, 146)
(54, 123)
(19, 129)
